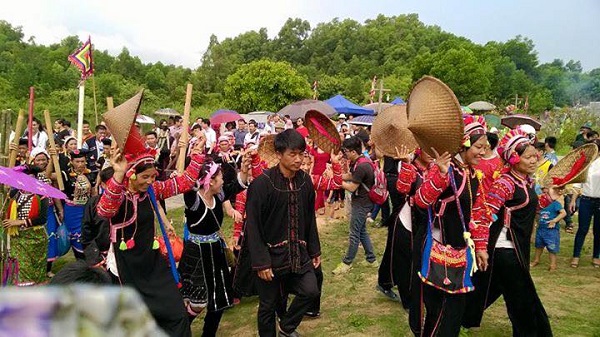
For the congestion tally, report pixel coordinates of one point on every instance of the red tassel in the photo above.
(179, 285)
(130, 244)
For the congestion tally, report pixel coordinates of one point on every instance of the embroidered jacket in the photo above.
(114, 194)
(436, 192)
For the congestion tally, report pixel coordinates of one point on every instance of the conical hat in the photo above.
(563, 169)
(435, 116)
(266, 150)
(323, 132)
(390, 131)
(120, 121)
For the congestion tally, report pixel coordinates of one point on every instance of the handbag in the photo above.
(443, 266)
(229, 255)
(176, 245)
(63, 239)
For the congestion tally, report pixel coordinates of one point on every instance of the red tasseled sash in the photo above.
(575, 169)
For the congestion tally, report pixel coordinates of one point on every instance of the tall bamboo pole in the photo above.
(184, 132)
(12, 158)
(30, 123)
(54, 158)
(80, 115)
(95, 105)
(109, 103)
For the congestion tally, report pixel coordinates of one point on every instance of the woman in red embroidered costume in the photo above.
(399, 265)
(510, 208)
(134, 258)
(449, 197)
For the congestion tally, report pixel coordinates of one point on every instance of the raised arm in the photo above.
(182, 183)
(485, 207)
(406, 177)
(436, 181)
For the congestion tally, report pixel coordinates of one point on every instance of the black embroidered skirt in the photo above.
(205, 276)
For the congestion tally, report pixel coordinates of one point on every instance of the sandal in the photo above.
(569, 230)
(534, 263)
(596, 263)
(575, 262)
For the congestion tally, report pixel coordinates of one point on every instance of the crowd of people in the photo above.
(447, 215)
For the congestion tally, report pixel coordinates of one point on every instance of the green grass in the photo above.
(352, 307)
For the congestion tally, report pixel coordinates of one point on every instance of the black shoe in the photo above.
(313, 314)
(389, 293)
(291, 334)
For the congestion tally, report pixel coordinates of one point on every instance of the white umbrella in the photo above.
(482, 106)
(145, 119)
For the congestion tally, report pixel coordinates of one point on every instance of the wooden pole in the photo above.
(54, 157)
(80, 115)
(184, 132)
(18, 130)
(109, 103)
(381, 90)
(95, 105)
(3, 133)
(30, 122)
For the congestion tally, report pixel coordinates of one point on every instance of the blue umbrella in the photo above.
(366, 120)
(398, 101)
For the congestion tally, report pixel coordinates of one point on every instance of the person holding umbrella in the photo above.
(27, 214)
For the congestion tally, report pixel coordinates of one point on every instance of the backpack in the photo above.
(378, 193)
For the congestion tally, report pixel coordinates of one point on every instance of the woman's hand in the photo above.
(199, 146)
(482, 259)
(403, 154)
(12, 223)
(119, 163)
(442, 161)
(52, 151)
(235, 215)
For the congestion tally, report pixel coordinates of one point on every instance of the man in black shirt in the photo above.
(282, 237)
(360, 179)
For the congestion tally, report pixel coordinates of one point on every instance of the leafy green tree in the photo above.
(265, 85)
(464, 74)
(521, 51)
(289, 44)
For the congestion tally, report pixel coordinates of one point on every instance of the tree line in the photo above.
(254, 72)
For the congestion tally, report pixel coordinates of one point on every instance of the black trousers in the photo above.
(271, 295)
(508, 278)
(316, 305)
(396, 264)
(211, 323)
(444, 312)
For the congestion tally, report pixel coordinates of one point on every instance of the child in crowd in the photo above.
(548, 232)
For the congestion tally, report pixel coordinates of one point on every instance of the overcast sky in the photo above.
(177, 31)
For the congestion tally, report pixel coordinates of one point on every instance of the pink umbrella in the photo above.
(224, 116)
(19, 180)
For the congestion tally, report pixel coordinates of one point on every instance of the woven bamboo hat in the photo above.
(266, 150)
(390, 131)
(121, 119)
(435, 116)
(323, 132)
(573, 167)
